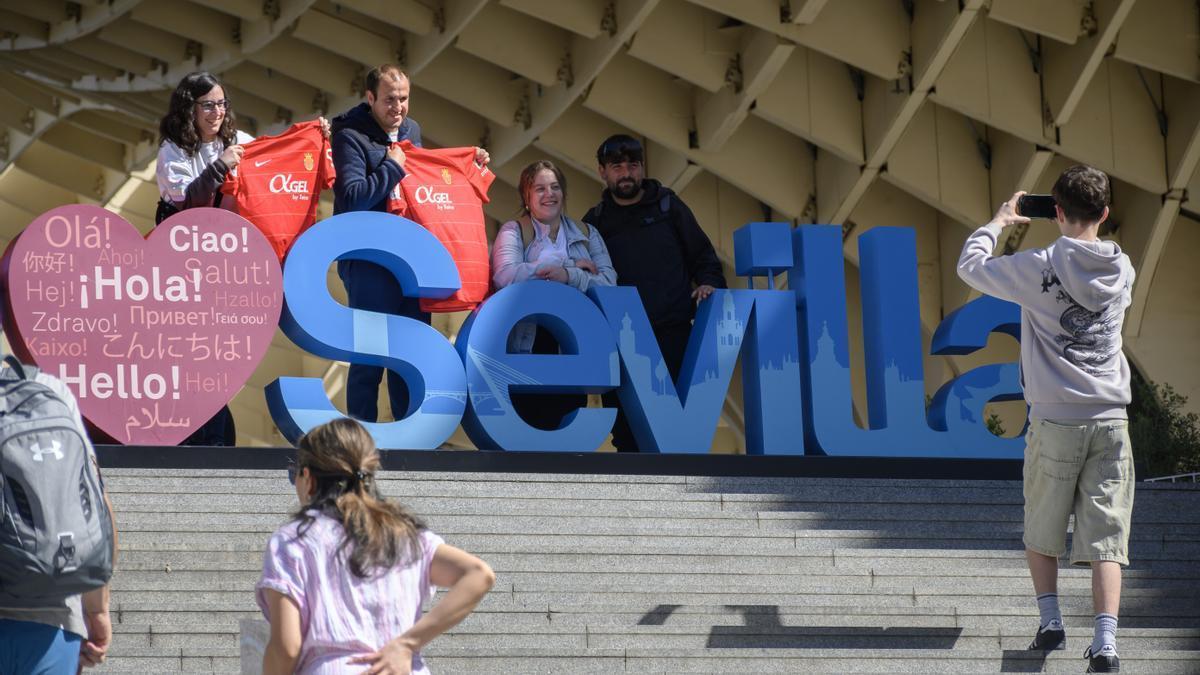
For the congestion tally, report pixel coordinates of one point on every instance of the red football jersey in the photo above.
(278, 180)
(445, 190)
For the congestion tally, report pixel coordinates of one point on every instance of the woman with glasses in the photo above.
(544, 243)
(343, 583)
(200, 143)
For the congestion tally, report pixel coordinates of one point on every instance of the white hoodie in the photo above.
(1073, 296)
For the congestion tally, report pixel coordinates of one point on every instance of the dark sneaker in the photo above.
(1104, 661)
(1050, 637)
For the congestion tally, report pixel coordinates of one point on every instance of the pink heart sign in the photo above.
(152, 335)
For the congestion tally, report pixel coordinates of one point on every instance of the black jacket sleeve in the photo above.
(704, 267)
(202, 190)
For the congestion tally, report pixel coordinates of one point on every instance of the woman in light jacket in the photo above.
(544, 243)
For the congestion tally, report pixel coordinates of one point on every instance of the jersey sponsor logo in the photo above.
(262, 163)
(427, 195)
(283, 183)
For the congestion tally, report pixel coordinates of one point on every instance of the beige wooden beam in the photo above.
(519, 43)
(296, 95)
(87, 146)
(25, 32)
(688, 42)
(1078, 64)
(814, 97)
(589, 58)
(456, 16)
(880, 29)
(411, 15)
(889, 132)
(582, 17)
(804, 11)
(1062, 20)
(1144, 38)
(475, 84)
(215, 30)
(248, 10)
(1160, 234)
(718, 115)
(322, 30)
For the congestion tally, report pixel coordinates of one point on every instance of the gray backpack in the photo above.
(56, 537)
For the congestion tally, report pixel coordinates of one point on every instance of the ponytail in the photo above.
(342, 459)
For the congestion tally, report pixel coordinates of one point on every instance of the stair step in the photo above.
(673, 573)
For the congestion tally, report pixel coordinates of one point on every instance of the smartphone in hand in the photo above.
(1037, 206)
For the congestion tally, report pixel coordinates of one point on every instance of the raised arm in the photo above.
(1000, 276)
(467, 577)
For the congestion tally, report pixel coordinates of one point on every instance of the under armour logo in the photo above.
(54, 449)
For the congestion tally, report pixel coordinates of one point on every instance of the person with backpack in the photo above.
(544, 243)
(58, 540)
(343, 583)
(658, 247)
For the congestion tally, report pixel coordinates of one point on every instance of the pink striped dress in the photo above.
(341, 615)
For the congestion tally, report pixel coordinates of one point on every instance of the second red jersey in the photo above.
(444, 190)
(278, 180)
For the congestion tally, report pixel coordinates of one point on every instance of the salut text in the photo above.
(793, 346)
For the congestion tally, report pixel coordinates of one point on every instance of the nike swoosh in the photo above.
(262, 163)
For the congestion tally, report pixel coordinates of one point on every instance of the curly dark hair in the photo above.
(1082, 192)
(342, 460)
(179, 124)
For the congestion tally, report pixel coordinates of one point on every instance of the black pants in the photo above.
(546, 411)
(672, 342)
(219, 430)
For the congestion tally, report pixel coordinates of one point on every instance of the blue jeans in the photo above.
(28, 648)
(373, 287)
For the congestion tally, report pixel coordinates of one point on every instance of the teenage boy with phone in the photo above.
(1073, 296)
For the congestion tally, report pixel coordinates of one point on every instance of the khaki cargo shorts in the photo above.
(1083, 467)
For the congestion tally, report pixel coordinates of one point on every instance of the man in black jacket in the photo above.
(369, 168)
(656, 246)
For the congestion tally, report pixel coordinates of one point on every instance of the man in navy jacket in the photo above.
(369, 168)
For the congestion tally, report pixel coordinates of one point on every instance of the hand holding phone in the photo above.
(1037, 206)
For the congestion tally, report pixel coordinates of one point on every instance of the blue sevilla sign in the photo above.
(793, 345)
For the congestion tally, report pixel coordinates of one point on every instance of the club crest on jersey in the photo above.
(446, 176)
(308, 161)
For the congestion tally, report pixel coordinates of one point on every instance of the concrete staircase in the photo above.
(657, 574)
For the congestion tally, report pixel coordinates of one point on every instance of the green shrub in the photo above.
(1165, 439)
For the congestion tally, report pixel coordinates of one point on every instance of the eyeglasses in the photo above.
(291, 469)
(210, 106)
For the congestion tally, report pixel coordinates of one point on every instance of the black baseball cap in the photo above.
(619, 148)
